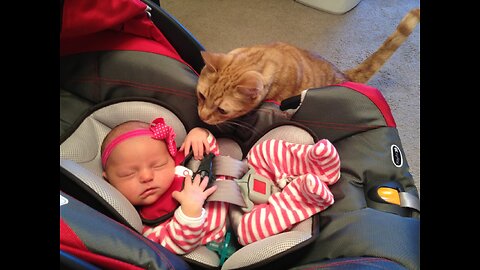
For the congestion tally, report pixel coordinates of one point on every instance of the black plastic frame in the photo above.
(181, 39)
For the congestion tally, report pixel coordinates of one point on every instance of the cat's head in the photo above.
(228, 87)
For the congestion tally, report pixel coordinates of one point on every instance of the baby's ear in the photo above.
(250, 84)
(212, 61)
(104, 175)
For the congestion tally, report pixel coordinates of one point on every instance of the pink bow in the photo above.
(162, 131)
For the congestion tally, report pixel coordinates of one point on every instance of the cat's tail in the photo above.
(365, 70)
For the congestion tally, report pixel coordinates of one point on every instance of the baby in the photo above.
(141, 161)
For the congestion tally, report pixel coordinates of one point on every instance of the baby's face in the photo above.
(141, 168)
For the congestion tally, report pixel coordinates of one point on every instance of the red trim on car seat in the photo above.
(68, 236)
(376, 97)
(109, 40)
(71, 243)
(272, 101)
(91, 25)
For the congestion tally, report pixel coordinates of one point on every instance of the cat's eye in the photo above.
(201, 96)
(222, 111)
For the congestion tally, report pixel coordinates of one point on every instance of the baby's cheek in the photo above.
(132, 197)
(164, 180)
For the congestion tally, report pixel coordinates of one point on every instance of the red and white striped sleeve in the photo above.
(180, 234)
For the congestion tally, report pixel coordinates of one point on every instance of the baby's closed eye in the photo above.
(126, 173)
(159, 165)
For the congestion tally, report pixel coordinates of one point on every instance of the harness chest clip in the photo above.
(255, 189)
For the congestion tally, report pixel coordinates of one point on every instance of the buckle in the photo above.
(255, 188)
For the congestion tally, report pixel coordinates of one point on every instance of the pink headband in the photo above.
(158, 130)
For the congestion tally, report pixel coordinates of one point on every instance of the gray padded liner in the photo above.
(204, 255)
(106, 191)
(268, 247)
(229, 147)
(80, 154)
(289, 133)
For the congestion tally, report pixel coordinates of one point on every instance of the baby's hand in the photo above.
(197, 139)
(193, 195)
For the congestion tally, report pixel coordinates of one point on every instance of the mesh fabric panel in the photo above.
(204, 255)
(265, 248)
(106, 191)
(288, 133)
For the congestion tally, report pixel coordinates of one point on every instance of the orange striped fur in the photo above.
(233, 84)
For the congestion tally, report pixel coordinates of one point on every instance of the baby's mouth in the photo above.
(148, 192)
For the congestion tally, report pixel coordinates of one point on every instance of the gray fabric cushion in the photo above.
(111, 195)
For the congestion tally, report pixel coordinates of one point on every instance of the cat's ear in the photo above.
(212, 60)
(251, 84)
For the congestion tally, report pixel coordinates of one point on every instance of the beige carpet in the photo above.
(345, 40)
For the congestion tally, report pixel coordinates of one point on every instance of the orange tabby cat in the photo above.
(233, 84)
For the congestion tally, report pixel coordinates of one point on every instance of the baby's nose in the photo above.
(146, 175)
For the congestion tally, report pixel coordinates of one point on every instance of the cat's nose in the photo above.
(210, 121)
(204, 119)
(204, 115)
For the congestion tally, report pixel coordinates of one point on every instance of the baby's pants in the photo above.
(303, 172)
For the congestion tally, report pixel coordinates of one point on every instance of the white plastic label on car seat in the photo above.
(397, 158)
(183, 171)
(63, 200)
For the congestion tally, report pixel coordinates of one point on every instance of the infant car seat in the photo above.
(374, 221)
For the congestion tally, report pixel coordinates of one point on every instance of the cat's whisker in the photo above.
(219, 127)
(242, 125)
